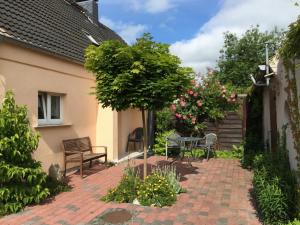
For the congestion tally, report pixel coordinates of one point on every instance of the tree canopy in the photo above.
(240, 56)
(144, 75)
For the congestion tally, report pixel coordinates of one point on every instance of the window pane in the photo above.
(55, 107)
(42, 102)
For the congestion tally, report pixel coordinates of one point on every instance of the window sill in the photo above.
(52, 125)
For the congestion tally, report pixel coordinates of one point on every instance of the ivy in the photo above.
(290, 53)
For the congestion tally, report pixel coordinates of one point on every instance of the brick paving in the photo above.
(218, 193)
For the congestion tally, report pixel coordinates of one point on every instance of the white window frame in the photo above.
(47, 110)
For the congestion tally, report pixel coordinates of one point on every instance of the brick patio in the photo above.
(217, 194)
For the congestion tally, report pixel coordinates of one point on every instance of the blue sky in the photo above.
(194, 28)
(169, 25)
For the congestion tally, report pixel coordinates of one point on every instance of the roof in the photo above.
(59, 27)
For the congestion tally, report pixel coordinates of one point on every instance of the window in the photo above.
(50, 108)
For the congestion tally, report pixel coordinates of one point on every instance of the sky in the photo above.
(194, 28)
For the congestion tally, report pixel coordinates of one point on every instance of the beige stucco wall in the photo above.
(128, 121)
(278, 83)
(26, 72)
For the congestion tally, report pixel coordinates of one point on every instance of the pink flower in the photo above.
(193, 120)
(173, 107)
(195, 94)
(228, 100)
(223, 96)
(206, 84)
(233, 100)
(193, 82)
(199, 103)
(178, 115)
(190, 92)
(182, 103)
(223, 91)
(184, 117)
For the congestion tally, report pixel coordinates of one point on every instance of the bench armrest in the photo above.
(101, 146)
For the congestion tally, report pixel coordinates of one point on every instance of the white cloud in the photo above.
(234, 16)
(152, 6)
(128, 31)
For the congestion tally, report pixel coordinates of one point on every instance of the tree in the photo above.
(207, 100)
(143, 76)
(240, 57)
(22, 180)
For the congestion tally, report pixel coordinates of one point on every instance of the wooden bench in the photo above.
(80, 150)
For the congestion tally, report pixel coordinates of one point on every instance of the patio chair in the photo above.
(210, 141)
(135, 137)
(172, 143)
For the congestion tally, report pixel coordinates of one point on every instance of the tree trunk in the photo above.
(145, 143)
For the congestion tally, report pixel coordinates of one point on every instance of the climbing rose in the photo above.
(182, 103)
(193, 120)
(199, 103)
(173, 107)
(190, 92)
(195, 94)
(184, 117)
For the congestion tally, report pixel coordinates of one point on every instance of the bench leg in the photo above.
(90, 164)
(65, 172)
(105, 158)
(81, 166)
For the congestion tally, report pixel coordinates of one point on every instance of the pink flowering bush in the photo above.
(205, 100)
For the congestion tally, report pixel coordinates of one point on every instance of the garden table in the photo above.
(187, 144)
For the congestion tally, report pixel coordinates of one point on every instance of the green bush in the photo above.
(294, 222)
(156, 191)
(164, 120)
(169, 172)
(159, 147)
(126, 191)
(22, 180)
(275, 186)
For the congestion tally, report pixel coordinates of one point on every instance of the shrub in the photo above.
(126, 191)
(22, 180)
(294, 222)
(275, 186)
(169, 172)
(164, 120)
(206, 100)
(159, 147)
(156, 191)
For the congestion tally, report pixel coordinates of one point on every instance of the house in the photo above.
(276, 109)
(42, 46)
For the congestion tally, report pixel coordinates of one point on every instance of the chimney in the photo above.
(91, 6)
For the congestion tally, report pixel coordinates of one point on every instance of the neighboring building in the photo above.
(276, 111)
(42, 45)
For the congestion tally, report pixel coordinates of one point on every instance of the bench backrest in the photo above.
(77, 145)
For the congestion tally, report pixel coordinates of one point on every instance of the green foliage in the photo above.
(236, 152)
(291, 45)
(126, 191)
(159, 147)
(144, 75)
(22, 180)
(156, 191)
(164, 120)
(294, 222)
(208, 100)
(169, 172)
(241, 56)
(275, 186)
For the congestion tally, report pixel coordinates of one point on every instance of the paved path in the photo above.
(217, 194)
